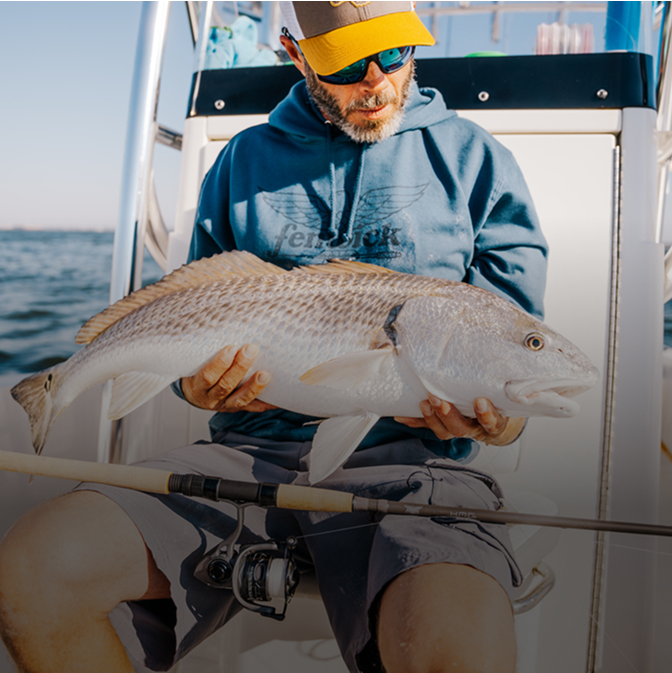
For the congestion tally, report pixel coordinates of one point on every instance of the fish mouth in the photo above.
(552, 396)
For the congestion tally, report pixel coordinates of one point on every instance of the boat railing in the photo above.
(664, 130)
(138, 196)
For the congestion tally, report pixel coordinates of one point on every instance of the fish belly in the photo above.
(388, 393)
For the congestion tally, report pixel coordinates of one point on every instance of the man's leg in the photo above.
(444, 617)
(63, 567)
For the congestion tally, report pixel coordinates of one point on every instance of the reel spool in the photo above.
(260, 574)
(257, 573)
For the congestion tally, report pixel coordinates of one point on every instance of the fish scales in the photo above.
(331, 341)
(344, 314)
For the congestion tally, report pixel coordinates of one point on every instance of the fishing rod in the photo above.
(258, 574)
(287, 496)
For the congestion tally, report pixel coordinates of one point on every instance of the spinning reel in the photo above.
(256, 573)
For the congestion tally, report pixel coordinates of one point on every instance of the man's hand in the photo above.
(447, 422)
(216, 385)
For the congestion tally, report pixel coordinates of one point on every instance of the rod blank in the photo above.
(288, 496)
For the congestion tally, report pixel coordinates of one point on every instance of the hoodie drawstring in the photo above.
(333, 223)
(355, 199)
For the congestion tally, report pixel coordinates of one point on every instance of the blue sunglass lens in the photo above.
(393, 59)
(389, 60)
(350, 73)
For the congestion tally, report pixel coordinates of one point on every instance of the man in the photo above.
(355, 163)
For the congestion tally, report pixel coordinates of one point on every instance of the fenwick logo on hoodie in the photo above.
(305, 230)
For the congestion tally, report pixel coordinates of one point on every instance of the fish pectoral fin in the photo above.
(336, 438)
(131, 390)
(349, 370)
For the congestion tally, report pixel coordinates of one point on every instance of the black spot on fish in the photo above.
(389, 323)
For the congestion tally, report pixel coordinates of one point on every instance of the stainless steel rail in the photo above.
(193, 13)
(664, 129)
(533, 598)
(137, 175)
(168, 137)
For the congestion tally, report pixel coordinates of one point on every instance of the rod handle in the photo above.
(313, 499)
(125, 476)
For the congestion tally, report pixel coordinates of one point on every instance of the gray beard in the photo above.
(372, 131)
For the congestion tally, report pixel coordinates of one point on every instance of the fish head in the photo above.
(474, 344)
(552, 372)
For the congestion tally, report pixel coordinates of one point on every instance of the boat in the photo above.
(591, 127)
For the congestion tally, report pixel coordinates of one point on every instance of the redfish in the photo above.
(345, 341)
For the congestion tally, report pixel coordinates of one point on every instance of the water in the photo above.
(51, 282)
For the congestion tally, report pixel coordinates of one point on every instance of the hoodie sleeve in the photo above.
(510, 251)
(212, 232)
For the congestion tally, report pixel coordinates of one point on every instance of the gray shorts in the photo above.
(354, 555)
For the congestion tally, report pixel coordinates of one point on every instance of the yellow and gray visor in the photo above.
(334, 35)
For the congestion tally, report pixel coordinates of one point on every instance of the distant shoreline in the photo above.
(30, 227)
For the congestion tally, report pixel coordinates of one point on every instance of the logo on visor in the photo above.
(356, 3)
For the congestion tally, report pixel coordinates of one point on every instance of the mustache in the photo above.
(373, 101)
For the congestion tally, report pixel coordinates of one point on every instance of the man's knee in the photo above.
(446, 617)
(78, 550)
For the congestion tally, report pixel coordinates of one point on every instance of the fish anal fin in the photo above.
(131, 390)
(349, 370)
(335, 440)
(228, 264)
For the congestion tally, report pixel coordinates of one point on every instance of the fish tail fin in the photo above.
(37, 395)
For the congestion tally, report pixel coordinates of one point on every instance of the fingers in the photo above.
(224, 373)
(245, 395)
(444, 419)
(217, 385)
(490, 419)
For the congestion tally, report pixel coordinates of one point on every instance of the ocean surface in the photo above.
(51, 282)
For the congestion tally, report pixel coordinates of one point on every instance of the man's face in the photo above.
(368, 111)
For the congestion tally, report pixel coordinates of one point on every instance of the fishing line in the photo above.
(623, 546)
(613, 642)
(337, 530)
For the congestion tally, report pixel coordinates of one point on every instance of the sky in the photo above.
(65, 81)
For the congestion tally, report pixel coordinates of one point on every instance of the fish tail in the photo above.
(37, 395)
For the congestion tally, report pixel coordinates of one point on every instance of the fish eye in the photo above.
(534, 341)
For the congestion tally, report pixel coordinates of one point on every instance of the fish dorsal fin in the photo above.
(343, 266)
(227, 264)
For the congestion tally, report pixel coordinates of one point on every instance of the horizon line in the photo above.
(36, 227)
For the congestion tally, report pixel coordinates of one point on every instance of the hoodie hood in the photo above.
(298, 116)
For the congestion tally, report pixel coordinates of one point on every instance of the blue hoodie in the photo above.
(439, 198)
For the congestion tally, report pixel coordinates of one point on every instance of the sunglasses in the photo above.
(388, 61)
